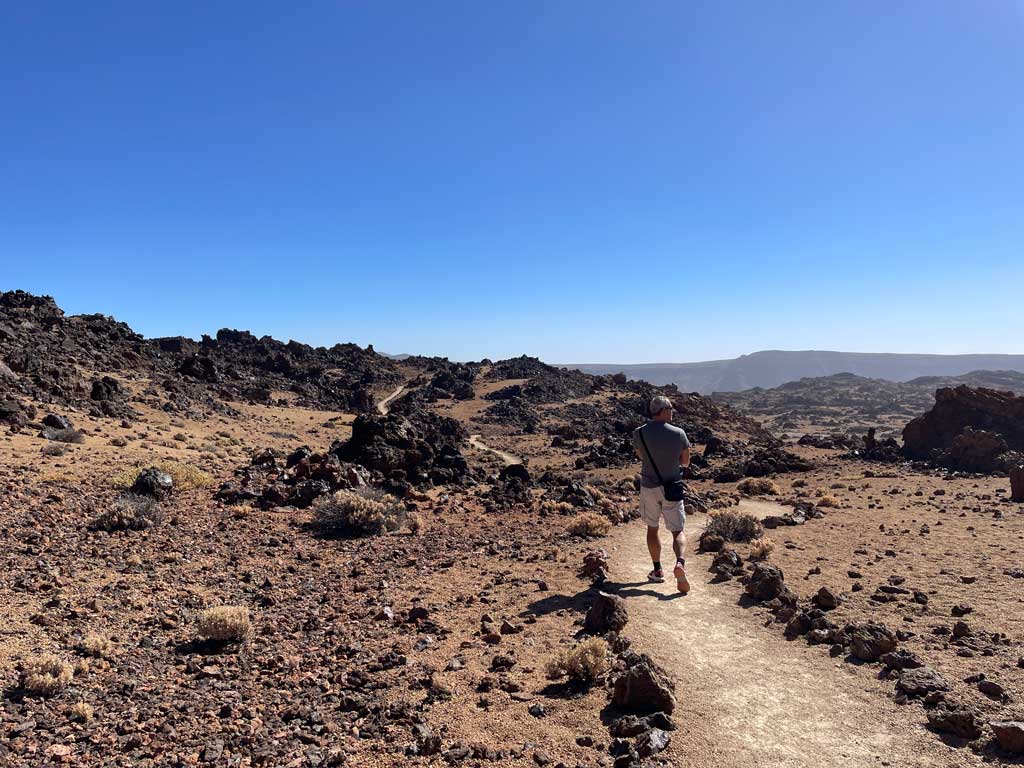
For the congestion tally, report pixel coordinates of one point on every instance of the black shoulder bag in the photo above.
(674, 489)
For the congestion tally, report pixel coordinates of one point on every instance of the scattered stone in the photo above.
(1009, 735)
(607, 614)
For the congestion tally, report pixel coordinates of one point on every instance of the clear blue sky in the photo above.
(584, 181)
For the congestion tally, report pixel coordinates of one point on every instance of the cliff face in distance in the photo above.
(774, 367)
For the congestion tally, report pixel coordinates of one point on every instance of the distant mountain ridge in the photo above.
(770, 368)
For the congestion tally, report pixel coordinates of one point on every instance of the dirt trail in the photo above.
(749, 698)
(508, 458)
(382, 406)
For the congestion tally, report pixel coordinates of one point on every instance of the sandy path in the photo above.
(508, 458)
(749, 698)
(382, 406)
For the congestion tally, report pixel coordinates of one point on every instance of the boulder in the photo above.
(1009, 735)
(870, 641)
(595, 566)
(105, 389)
(955, 719)
(607, 614)
(766, 582)
(57, 422)
(826, 599)
(920, 681)
(642, 688)
(153, 482)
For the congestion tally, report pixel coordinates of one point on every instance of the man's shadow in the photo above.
(632, 589)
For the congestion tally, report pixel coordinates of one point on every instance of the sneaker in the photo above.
(657, 576)
(681, 581)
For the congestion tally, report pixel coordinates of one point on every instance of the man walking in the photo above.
(663, 449)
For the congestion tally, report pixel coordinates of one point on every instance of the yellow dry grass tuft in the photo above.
(81, 712)
(828, 501)
(551, 506)
(758, 486)
(95, 645)
(761, 548)
(186, 476)
(589, 525)
(583, 663)
(46, 675)
(224, 623)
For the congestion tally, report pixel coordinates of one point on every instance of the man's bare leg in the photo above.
(654, 547)
(679, 547)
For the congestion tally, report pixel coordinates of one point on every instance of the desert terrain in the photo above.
(243, 552)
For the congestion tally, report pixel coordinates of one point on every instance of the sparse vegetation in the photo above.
(583, 663)
(81, 712)
(54, 449)
(552, 507)
(119, 442)
(758, 486)
(363, 512)
(95, 645)
(46, 675)
(589, 525)
(733, 526)
(828, 501)
(760, 549)
(224, 623)
(185, 476)
(129, 512)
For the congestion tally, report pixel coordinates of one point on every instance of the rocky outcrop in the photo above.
(969, 428)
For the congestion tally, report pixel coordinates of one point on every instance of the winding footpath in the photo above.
(749, 698)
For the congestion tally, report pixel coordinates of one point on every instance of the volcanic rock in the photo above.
(1009, 735)
(956, 719)
(642, 687)
(607, 614)
(870, 641)
(766, 582)
(993, 418)
(153, 482)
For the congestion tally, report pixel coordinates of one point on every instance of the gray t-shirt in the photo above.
(666, 442)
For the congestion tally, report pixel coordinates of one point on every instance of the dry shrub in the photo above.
(551, 506)
(95, 645)
(81, 712)
(583, 663)
(828, 501)
(414, 522)
(733, 526)
(118, 442)
(589, 525)
(56, 449)
(799, 483)
(761, 548)
(46, 675)
(758, 486)
(224, 623)
(129, 513)
(186, 476)
(360, 513)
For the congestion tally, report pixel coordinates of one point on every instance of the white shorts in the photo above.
(653, 507)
